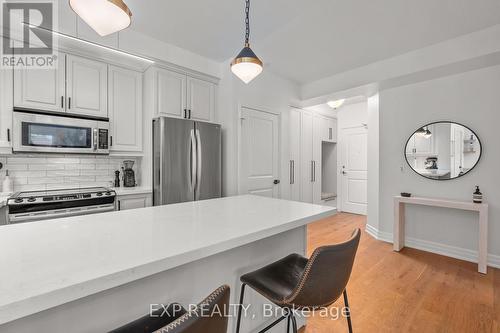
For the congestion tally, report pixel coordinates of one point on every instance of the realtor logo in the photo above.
(28, 40)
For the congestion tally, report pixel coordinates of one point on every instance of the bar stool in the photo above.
(296, 283)
(206, 317)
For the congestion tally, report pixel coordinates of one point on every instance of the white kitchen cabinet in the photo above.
(319, 135)
(294, 166)
(180, 95)
(133, 201)
(201, 99)
(307, 162)
(171, 93)
(6, 104)
(125, 109)
(331, 130)
(41, 89)
(86, 86)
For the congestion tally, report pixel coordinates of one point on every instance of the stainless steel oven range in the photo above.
(42, 205)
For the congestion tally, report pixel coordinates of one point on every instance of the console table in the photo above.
(482, 209)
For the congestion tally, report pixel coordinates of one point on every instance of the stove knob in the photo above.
(108, 193)
(31, 199)
(18, 200)
(99, 194)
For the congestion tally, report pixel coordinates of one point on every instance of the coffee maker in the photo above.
(128, 174)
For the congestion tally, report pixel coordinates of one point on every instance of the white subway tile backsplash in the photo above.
(40, 172)
(44, 180)
(26, 160)
(46, 167)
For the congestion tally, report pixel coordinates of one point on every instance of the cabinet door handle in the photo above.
(69, 103)
(330, 134)
(292, 172)
(189, 114)
(185, 113)
(111, 140)
(312, 171)
(119, 205)
(8, 134)
(62, 102)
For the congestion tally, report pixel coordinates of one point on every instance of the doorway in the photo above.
(259, 153)
(354, 170)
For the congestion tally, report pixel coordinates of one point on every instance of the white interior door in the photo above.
(354, 165)
(259, 154)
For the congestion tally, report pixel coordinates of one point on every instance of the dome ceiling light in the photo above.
(104, 16)
(246, 66)
(336, 104)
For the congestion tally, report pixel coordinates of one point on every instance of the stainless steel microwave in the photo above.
(48, 133)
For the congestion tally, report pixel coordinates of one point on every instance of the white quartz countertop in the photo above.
(48, 263)
(133, 190)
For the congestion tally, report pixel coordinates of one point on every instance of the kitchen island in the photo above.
(97, 272)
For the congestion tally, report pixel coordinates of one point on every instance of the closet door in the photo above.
(86, 86)
(294, 143)
(307, 165)
(40, 89)
(318, 136)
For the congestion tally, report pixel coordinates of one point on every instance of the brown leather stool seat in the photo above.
(295, 282)
(277, 281)
(206, 317)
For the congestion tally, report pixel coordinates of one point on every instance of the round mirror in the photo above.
(443, 150)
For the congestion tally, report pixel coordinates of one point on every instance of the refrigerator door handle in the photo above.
(198, 167)
(192, 161)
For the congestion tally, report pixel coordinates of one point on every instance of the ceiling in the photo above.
(308, 40)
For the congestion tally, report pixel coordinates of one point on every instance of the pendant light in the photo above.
(247, 66)
(104, 16)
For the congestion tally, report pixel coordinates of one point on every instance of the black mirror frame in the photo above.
(444, 122)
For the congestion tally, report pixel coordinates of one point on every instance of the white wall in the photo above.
(471, 98)
(352, 115)
(267, 92)
(373, 162)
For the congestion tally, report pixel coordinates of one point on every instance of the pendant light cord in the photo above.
(247, 21)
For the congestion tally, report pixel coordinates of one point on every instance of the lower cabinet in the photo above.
(133, 201)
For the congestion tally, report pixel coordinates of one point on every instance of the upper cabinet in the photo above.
(42, 89)
(86, 86)
(171, 93)
(201, 99)
(125, 109)
(331, 130)
(78, 85)
(180, 95)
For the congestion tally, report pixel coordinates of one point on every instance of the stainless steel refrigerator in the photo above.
(186, 160)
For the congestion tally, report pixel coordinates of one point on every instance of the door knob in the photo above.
(276, 181)
(344, 173)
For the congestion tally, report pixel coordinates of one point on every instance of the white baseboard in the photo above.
(438, 248)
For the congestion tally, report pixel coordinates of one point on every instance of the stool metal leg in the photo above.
(240, 307)
(288, 323)
(348, 311)
(294, 323)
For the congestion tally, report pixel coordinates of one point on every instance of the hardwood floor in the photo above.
(410, 291)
